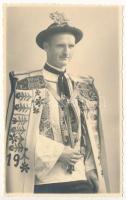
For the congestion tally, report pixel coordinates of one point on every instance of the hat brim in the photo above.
(44, 35)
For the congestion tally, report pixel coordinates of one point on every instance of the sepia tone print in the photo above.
(64, 116)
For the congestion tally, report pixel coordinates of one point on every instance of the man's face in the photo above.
(59, 49)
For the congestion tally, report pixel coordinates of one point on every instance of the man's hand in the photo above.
(93, 179)
(70, 156)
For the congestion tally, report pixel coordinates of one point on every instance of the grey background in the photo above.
(98, 55)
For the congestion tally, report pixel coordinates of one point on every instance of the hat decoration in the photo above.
(58, 18)
(59, 25)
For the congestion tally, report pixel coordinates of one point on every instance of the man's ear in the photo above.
(45, 45)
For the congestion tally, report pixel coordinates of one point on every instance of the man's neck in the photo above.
(59, 69)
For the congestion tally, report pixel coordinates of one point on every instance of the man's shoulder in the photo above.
(25, 74)
(82, 79)
(27, 80)
(85, 86)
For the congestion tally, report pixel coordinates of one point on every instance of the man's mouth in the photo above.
(65, 58)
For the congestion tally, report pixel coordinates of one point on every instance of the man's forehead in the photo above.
(57, 37)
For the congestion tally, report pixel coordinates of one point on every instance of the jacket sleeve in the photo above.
(11, 100)
(89, 98)
(88, 101)
(21, 132)
(89, 161)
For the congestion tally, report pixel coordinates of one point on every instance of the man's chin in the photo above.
(63, 64)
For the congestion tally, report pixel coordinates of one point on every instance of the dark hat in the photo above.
(60, 26)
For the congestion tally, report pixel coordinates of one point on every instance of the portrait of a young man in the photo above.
(55, 141)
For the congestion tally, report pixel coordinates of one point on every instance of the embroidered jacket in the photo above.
(28, 99)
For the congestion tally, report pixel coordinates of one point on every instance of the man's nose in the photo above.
(66, 51)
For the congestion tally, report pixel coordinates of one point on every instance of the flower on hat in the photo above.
(58, 18)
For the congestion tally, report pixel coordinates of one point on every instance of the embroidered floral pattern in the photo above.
(87, 89)
(23, 96)
(83, 106)
(22, 107)
(24, 167)
(24, 156)
(20, 120)
(63, 127)
(38, 101)
(16, 147)
(68, 122)
(13, 138)
(45, 125)
(33, 82)
(17, 152)
(18, 130)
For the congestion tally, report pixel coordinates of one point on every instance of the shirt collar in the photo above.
(58, 69)
(51, 76)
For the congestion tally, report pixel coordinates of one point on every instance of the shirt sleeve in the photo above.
(47, 153)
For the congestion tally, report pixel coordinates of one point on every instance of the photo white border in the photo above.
(62, 196)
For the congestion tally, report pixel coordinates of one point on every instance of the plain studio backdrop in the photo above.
(97, 55)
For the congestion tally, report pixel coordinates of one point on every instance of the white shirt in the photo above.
(47, 167)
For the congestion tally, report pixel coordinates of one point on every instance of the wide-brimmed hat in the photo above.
(60, 25)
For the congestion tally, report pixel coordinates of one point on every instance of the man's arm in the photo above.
(49, 152)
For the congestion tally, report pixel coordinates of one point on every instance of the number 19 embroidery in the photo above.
(24, 167)
(16, 159)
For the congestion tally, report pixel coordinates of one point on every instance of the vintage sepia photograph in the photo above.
(63, 94)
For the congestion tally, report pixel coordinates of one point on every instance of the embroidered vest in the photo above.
(29, 116)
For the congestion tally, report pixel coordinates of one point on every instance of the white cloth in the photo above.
(48, 169)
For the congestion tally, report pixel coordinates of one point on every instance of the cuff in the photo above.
(47, 153)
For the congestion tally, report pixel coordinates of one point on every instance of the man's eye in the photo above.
(71, 46)
(60, 45)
